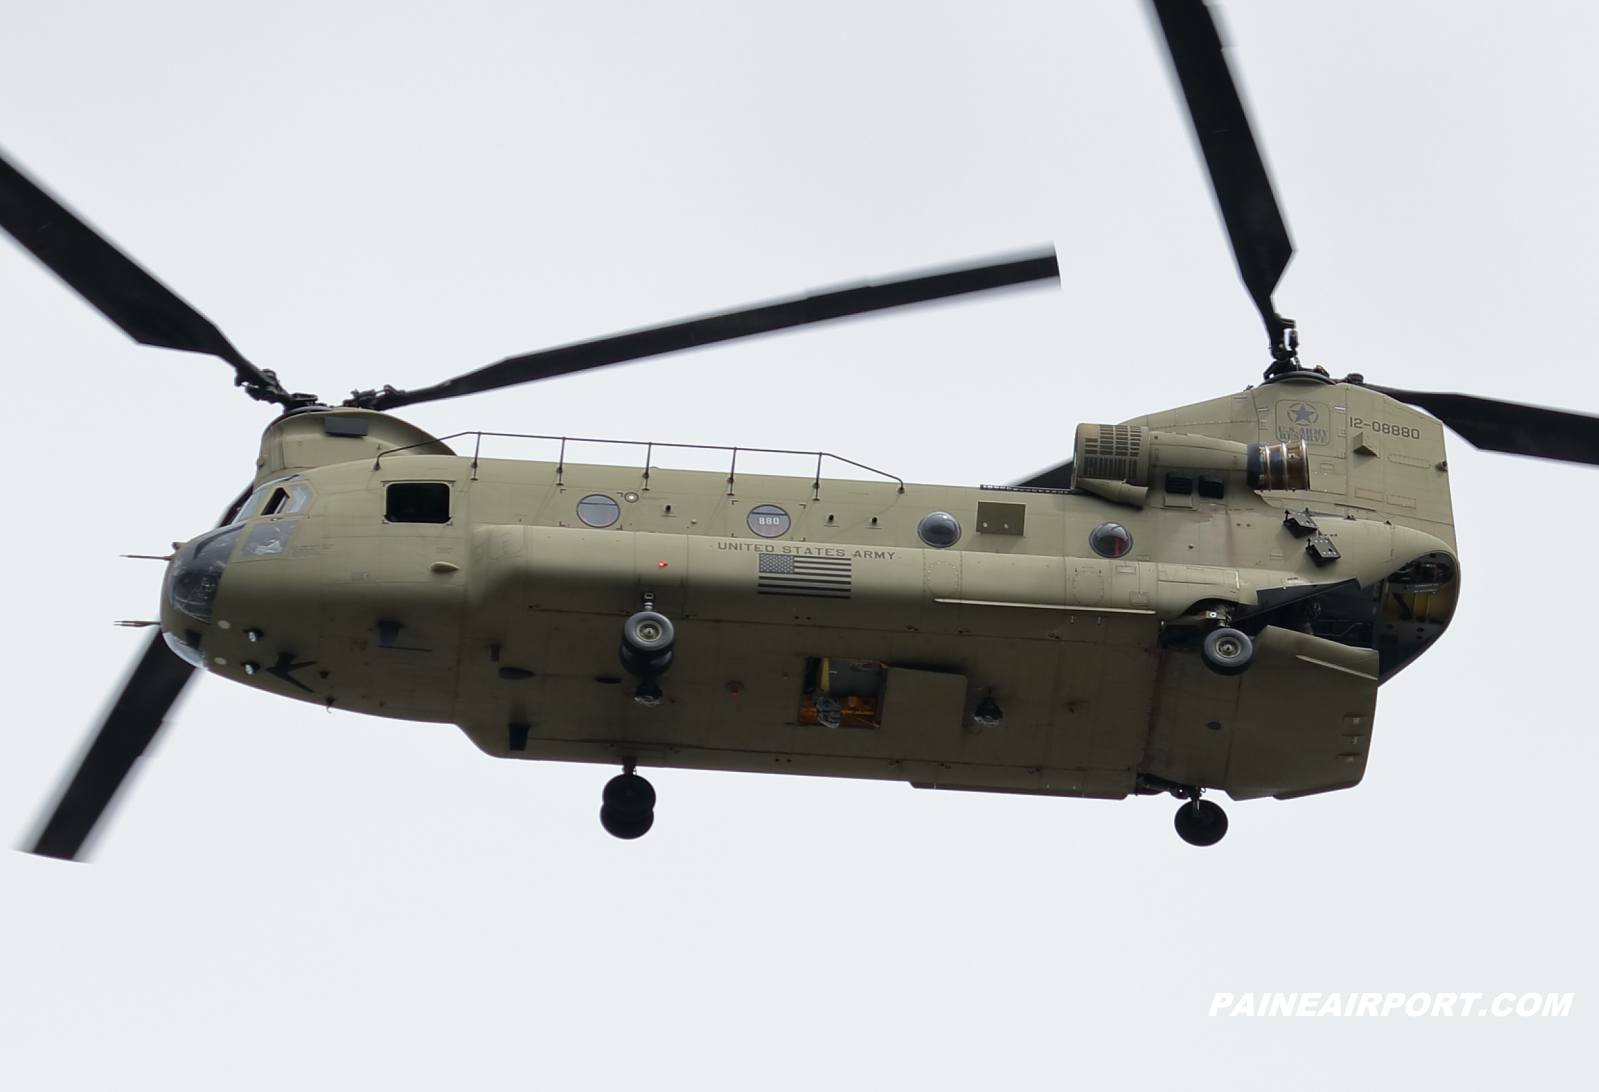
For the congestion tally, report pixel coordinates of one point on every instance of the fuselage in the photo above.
(490, 593)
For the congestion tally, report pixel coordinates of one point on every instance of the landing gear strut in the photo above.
(1198, 822)
(627, 808)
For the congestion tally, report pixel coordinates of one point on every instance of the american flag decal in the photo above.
(819, 577)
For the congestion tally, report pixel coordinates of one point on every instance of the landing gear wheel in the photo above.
(644, 665)
(646, 651)
(626, 827)
(628, 806)
(649, 632)
(628, 794)
(1200, 823)
(1227, 651)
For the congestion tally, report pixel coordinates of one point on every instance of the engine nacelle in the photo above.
(1118, 462)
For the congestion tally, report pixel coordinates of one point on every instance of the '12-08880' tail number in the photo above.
(1404, 431)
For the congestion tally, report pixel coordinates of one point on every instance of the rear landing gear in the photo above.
(1200, 823)
(627, 808)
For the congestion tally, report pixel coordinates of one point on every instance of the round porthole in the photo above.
(769, 521)
(1111, 540)
(598, 510)
(939, 529)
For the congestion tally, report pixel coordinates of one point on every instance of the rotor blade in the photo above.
(147, 311)
(1237, 172)
(1510, 427)
(145, 700)
(764, 318)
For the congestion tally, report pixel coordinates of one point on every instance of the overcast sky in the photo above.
(374, 193)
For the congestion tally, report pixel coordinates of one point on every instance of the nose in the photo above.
(192, 580)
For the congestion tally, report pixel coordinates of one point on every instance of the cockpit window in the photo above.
(268, 539)
(196, 572)
(287, 498)
(417, 502)
(280, 497)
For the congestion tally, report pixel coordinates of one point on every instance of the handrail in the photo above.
(649, 447)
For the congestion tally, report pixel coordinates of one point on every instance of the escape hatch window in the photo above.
(282, 497)
(286, 498)
(417, 502)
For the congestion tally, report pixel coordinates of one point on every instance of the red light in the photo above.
(662, 564)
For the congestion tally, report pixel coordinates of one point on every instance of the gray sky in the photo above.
(371, 193)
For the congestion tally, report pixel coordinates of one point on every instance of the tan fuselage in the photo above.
(506, 619)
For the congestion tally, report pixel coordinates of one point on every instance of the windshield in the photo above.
(196, 572)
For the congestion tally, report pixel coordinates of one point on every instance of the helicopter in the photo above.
(1094, 574)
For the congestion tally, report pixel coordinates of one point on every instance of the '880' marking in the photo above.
(1404, 431)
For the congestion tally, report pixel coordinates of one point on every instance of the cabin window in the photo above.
(598, 510)
(417, 502)
(1110, 540)
(768, 521)
(939, 529)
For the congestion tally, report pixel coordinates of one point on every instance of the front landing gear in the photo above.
(627, 808)
(646, 654)
(1200, 823)
(1227, 651)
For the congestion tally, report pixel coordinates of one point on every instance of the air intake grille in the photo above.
(1113, 454)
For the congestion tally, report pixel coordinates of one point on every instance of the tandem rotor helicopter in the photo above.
(1135, 620)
